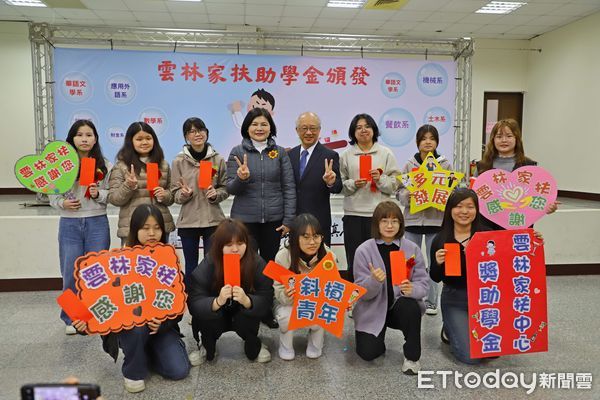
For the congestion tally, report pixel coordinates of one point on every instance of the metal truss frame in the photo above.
(45, 37)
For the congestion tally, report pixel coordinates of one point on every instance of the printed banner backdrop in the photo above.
(506, 284)
(115, 88)
(128, 287)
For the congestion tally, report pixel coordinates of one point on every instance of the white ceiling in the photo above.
(419, 18)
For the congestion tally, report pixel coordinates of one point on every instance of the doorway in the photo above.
(497, 106)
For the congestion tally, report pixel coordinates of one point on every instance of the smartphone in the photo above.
(59, 391)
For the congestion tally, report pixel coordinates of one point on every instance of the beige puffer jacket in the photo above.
(198, 211)
(128, 199)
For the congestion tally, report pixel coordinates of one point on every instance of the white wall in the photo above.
(17, 127)
(562, 106)
(498, 66)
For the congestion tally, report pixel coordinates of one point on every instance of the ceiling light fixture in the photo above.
(346, 3)
(500, 7)
(197, 1)
(25, 3)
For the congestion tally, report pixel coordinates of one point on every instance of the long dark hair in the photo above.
(458, 195)
(129, 156)
(370, 122)
(299, 226)
(230, 230)
(138, 219)
(487, 161)
(254, 113)
(95, 151)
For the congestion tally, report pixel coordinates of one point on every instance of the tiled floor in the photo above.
(34, 348)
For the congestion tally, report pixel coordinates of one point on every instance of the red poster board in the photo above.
(506, 284)
(322, 298)
(128, 287)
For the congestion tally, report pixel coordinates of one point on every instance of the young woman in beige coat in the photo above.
(127, 183)
(200, 208)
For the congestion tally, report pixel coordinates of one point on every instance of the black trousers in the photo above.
(356, 231)
(405, 316)
(231, 320)
(266, 237)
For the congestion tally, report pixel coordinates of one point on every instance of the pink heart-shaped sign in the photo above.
(517, 199)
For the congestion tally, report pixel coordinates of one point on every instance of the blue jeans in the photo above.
(432, 295)
(164, 352)
(190, 239)
(455, 315)
(76, 237)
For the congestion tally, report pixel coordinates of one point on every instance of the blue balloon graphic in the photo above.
(438, 117)
(390, 87)
(397, 127)
(432, 79)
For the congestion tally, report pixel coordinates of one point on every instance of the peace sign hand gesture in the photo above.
(329, 176)
(186, 191)
(131, 179)
(242, 172)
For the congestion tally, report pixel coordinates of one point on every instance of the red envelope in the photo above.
(398, 267)
(73, 307)
(231, 269)
(87, 171)
(365, 166)
(277, 272)
(452, 262)
(152, 176)
(205, 174)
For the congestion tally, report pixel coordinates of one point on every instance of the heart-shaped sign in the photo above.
(52, 172)
(515, 199)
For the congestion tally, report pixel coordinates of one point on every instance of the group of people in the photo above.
(276, 193)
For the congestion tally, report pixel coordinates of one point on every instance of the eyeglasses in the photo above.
(393, 222)
(305, 129)
(316, 237)
(197, 132)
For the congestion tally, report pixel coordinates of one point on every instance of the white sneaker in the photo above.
(411, 367)
(313, 352)
(134, 386)
(430, 309)
(286, 354)
(197, 357)
(70, 330)
(264, 355)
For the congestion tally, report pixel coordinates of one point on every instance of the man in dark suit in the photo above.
(316, 171)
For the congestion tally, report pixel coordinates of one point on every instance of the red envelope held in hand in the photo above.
(73, 307)
(205, 174)
(87, 171)
(231, 269)
(452, 262)
(365, 166)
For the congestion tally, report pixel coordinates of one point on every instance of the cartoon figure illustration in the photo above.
(259, 99)
(291, 282)
(491, 247)
(353, 297)
(451, 179)
(430, 165)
